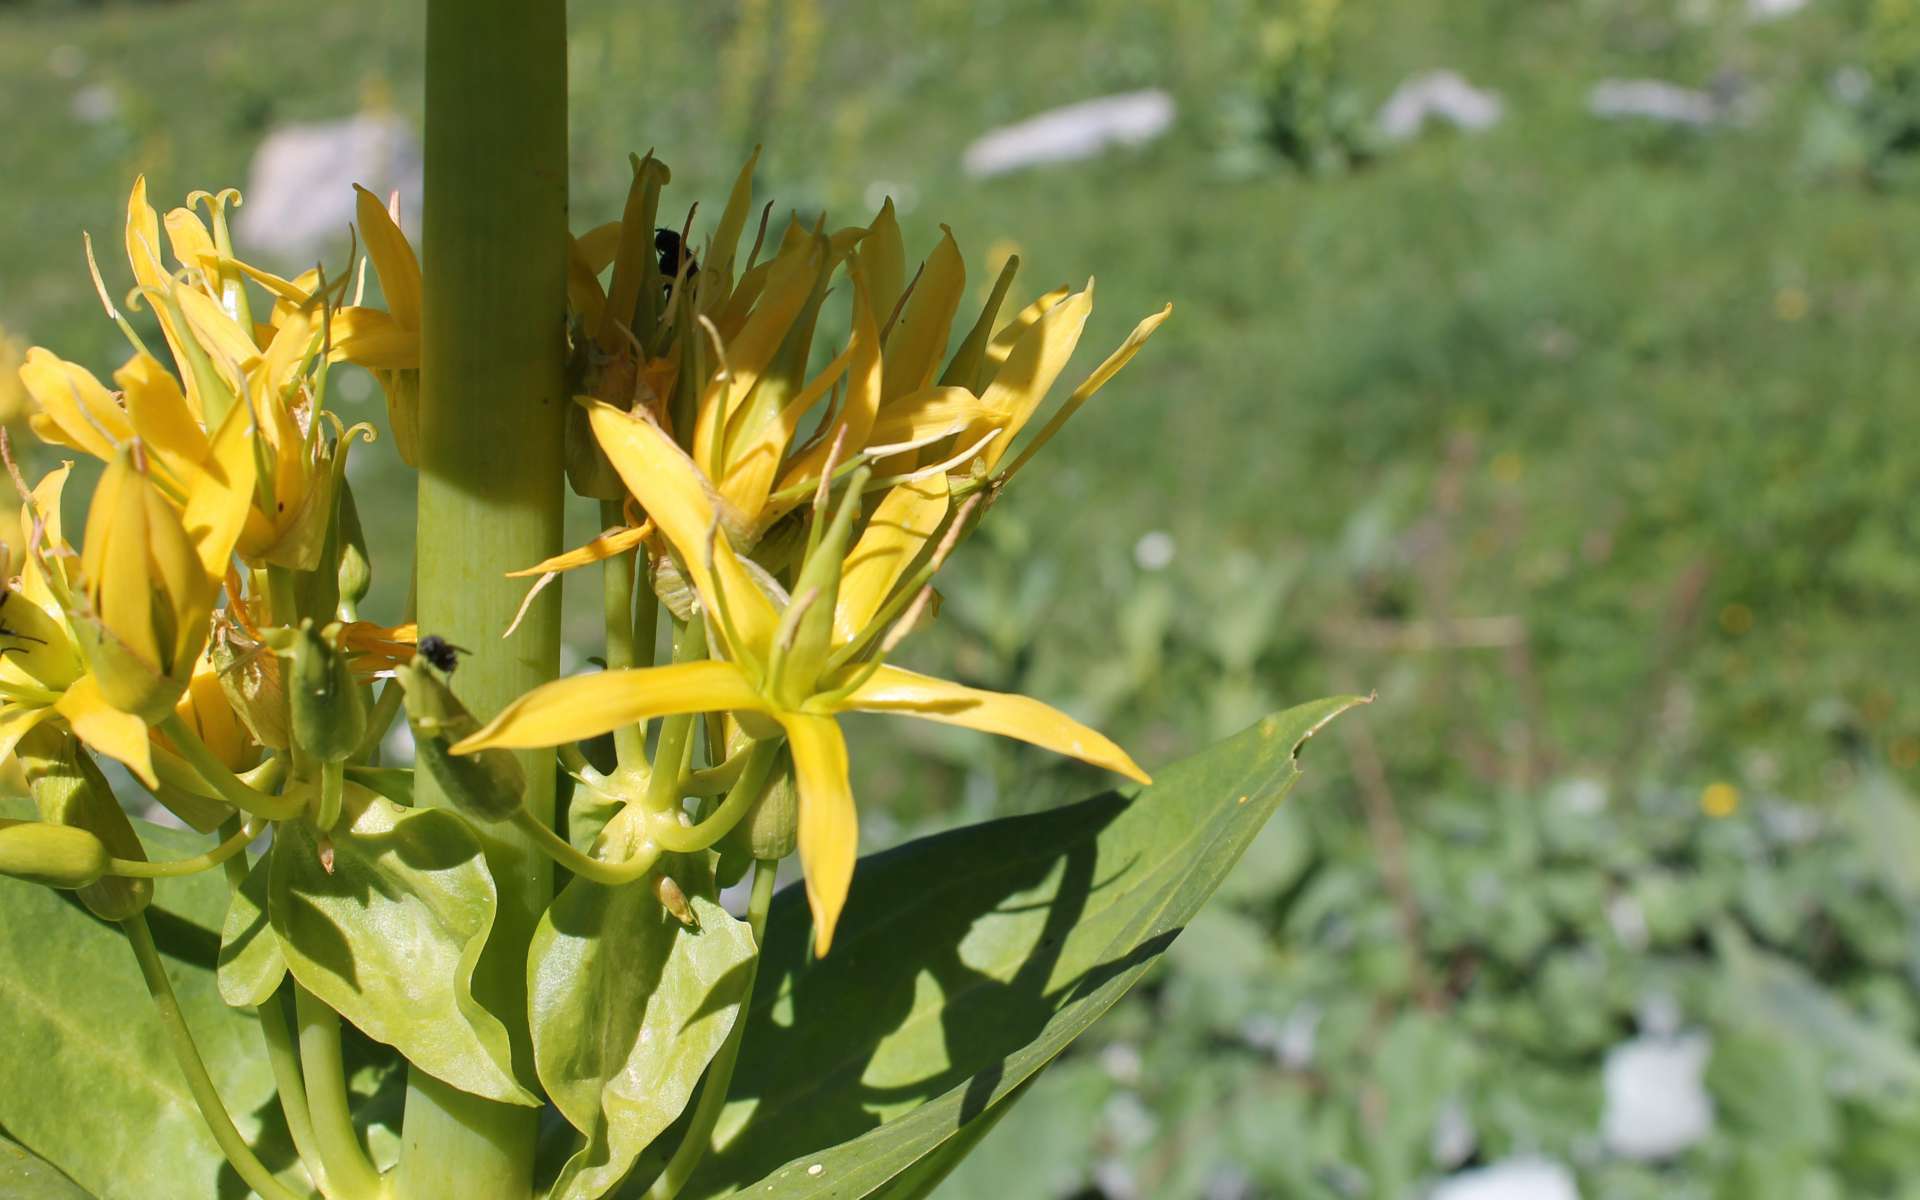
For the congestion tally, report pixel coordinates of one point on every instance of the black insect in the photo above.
(667, 242)
(441, 652)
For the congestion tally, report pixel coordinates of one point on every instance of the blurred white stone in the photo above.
(1656, 1098)
(1072, 133)
(1652, 100)
(1511, 1179)
(1773, 10)
(96, 103)
(1443, 96)
(1154, 551)
(1121, 1062)
(299, 195)
(1629, 922)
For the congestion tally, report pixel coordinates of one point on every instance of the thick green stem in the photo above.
(492, 415)
(346, 1162)
(213, 1110)
(713, 1093)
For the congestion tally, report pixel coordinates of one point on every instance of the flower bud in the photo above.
(329, 715)
(355, 571)
(59, 856)
(147, 596)
(488, 784)
(770, 829)
(254, 680)
(69, 790)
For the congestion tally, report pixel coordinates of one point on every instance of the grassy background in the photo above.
(1642, 394)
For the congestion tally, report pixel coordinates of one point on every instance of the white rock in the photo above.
(1652, 100)
(1072, 133)
(96, 104)
(1656, 1099)
(1773, 10)
(1443, 96)
(299, 195)
(1511, 1179)
(1154, 551)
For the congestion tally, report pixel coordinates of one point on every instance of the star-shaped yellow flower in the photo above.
(789, 666)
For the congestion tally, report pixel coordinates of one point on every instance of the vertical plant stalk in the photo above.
(492, 410)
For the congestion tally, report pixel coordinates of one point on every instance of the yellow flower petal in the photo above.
(158, 412)
(222, 497)
(583, 706)
(829, 827)
(681, 503)
(105, 728)
(375, 340)
(392, 257)
(896, 533)
(87, 415)
(893, 689)
(864, 383)
(1093, 383)
(16, 721)
(884, 254)
(919, 338)
(1023, 380)
(789, 284)
(733, 221)
(192, 246)
(608, 544)
(933, 413)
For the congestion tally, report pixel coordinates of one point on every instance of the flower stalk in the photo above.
(491, 419)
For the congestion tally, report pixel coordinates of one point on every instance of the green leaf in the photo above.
(390, 936)
(24, 1175)
(251, 965)
(87, 1080)
(966, 961)
(628, 1006)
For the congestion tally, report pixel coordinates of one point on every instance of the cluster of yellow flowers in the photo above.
(789, 518)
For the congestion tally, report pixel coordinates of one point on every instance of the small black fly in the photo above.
(667, 243)
(442, 653)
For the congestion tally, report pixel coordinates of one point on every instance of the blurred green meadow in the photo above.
(1581, 442)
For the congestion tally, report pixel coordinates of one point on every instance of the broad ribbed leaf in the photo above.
(965, 962)
(24, 1175)
(390, 936)
(87, 1081)
(628, 1007)
(251, 965)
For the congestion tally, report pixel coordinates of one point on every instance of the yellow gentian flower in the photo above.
(43, 675)
(789, 668)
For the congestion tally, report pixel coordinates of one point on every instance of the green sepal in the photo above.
(489, 784)
(328, 711)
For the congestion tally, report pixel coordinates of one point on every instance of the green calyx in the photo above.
(69, 791)
(329, 715)
(488, 784)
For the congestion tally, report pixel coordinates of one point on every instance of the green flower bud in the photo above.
(488, 784)
(355, 571)
(770, 829)
(329, 714)
(69, 790)
(59, 856)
